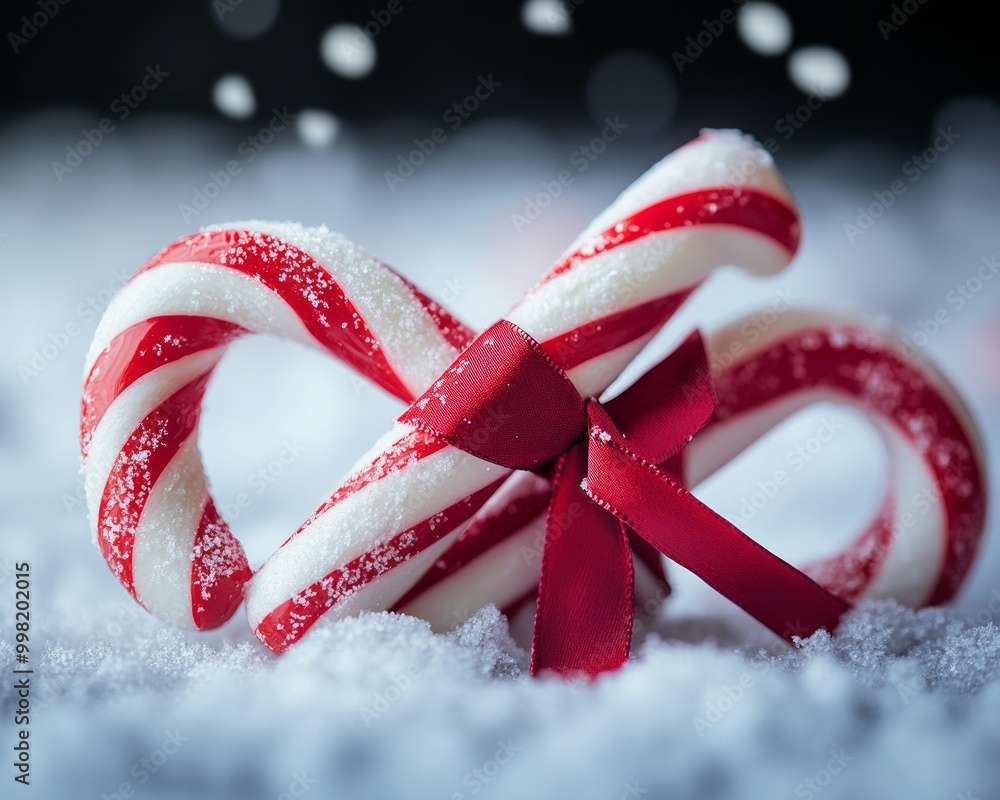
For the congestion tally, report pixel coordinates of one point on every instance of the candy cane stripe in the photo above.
(744, 208)
(141, 349)
(146, 454)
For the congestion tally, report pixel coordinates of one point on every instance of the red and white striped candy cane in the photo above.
(921, 544)
(411, 495)
(916, 550)
(153, 353)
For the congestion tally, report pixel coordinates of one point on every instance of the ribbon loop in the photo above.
(490, 400)
(669, 404)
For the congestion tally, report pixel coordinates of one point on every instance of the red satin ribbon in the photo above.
(615, 471)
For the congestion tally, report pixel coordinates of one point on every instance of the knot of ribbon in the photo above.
(616, 470)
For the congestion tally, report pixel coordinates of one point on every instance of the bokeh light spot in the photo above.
(765, 28)
(317, 129)
(819, 69)
(233, 96)
(347, 51)
(546, 17)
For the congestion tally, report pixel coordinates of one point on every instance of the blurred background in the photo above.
(427, 132)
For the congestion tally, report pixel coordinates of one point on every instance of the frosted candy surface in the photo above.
(399, 323)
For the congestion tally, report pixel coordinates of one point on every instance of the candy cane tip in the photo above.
(227, 594)
(220, 573)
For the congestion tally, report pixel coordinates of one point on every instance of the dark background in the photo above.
(88, 51)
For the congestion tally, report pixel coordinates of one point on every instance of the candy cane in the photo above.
(922, 542)
(411, 495)
(170, 328)
(916, 550)
(153, 353)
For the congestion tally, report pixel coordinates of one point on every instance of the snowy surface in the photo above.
(899, 703)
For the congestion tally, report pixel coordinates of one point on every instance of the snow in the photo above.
(380, 706)
(900, 703)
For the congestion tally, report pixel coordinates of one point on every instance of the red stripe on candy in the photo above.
(603, 335)
(219, 570)
(410, 449)
(138, 466)
(849, 573)
(308, 289)
(750, 209)
(483, 534)
(140, 349)
(286, 624)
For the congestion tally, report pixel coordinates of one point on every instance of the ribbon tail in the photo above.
(688, 532)
(583, 620)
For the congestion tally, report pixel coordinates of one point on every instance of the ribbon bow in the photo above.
(615, 469)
